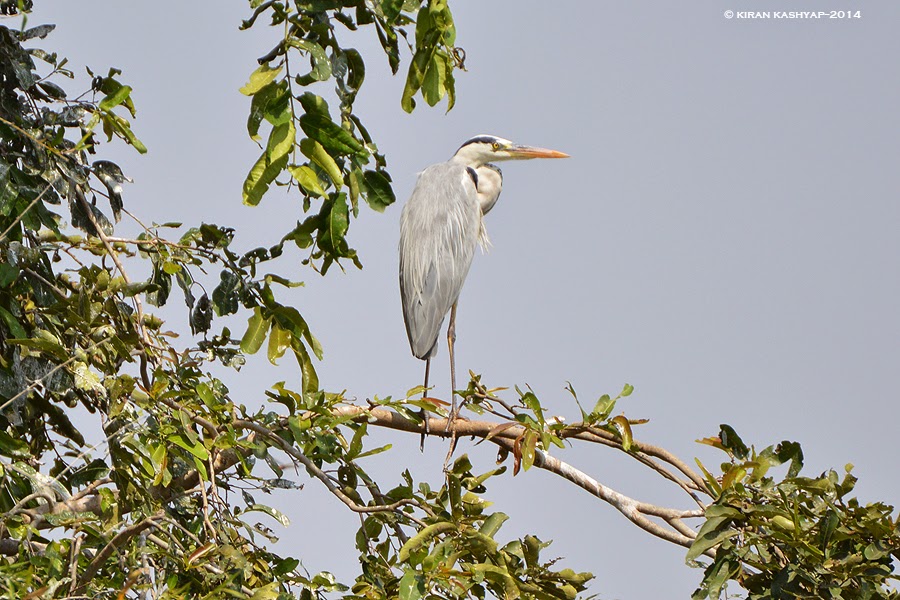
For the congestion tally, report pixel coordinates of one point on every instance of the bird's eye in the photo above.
(495, 146)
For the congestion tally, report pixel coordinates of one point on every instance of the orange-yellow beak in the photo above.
(526, 152)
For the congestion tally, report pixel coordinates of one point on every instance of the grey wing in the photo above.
(439, 230)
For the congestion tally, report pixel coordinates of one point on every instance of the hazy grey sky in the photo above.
(724, 236)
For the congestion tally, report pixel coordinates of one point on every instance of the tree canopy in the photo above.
(168, 506)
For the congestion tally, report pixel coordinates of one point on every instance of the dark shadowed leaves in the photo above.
(732, 441)
(332, 136)
(201, 316)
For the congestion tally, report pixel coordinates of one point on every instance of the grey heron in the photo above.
(440, 226)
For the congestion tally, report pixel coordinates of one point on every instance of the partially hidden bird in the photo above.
(440, 226)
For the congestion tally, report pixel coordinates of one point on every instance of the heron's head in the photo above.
(483, 149)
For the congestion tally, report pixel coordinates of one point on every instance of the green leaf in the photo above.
(493, 523)
(291, 319)
(279, 342)
(379, 194)
(356, 443)
(332, 136)
(10, 446)
(8, 273)
(790, 451)
(52, 90)
(261, 176)
(260, 78)
(711, 481)
(314, 151)
(285, 566)
(412, 585)
(321, 66)
(12, 324)
(603, 408)
(356, 69)
(732, 441)
(375, 451)
(336, 227)
(197, 448)
(314, 104)
(281, 141)
(529, 441)
(271, 103)
(116, 98)
(414, 78)
(391, 10)
(734, 474)
(423, 537)
(272, 512)
(206, 395)
(307, 369)
(257, 328)
(86, 379)
(531, 401)
(225, 296)
(433, 81)
(41, 31)
(308, 180)
(267, 592)
(708, 541)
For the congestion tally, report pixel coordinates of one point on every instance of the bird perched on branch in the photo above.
(439, 228)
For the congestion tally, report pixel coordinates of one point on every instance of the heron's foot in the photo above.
(451, 421)
(452, 415)
(453, 440)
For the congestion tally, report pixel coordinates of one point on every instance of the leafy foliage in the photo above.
(330, 162)
(172, 488)
(800, 537)
(168, 503)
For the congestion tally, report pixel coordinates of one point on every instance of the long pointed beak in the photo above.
(525, 152)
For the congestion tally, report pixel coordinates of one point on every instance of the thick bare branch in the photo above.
(636, 511)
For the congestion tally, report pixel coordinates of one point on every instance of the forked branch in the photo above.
(671, 528)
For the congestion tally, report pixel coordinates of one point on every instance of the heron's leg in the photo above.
(451, 340)
(424, 413)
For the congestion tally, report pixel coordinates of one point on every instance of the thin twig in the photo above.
(323, 477)
(73, 566)
(56, 291)
(116, 542)
(579, 430)
(205, 566)
(139, 307)
(41, 379)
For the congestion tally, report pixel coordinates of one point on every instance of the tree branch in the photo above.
(118, 540)
(635, 511)
(138, 305)
(640, 513)
(321, 476)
